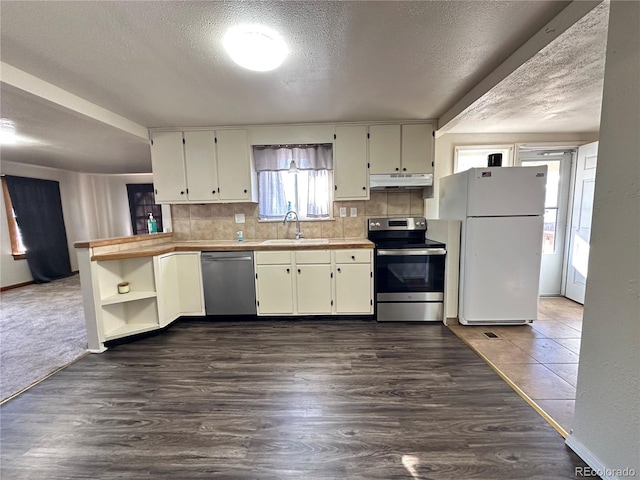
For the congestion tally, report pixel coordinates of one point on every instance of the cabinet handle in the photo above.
(404, 169)
(299, 271)
(339, 270)
(213, 191)
(245, 190)
(181, 192)
(364, 188)
(397, 169)
(288, 270)
(218, 189)
(335, 187)
(353, 257)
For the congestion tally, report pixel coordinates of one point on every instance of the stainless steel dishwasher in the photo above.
(229, 283)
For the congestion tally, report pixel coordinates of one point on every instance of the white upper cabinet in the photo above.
(350, 169)
(234, 166)
(200, 158)
(202, 166)
(401, 148)
(384, 149)
(167, 162)
(417, 148)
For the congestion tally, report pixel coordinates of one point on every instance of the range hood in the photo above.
(401, 180)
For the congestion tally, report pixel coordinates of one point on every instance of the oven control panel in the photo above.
(405, 223)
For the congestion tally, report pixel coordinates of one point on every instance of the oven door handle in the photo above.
(412, 251)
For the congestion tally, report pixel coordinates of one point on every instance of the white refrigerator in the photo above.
(501, 209)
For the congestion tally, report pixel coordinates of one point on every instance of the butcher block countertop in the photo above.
(123, 247)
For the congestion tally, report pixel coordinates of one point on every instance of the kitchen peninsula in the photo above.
(163, 279)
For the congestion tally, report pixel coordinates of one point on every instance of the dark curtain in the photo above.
(38, 210)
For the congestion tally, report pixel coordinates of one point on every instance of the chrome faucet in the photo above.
(286, 216)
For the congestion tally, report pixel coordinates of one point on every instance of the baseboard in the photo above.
(30, 282)
(594, 462)
(17, 285)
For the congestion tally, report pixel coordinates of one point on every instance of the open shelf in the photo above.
(138, 272)
(130, 329)
(127, 297)
(138, 315)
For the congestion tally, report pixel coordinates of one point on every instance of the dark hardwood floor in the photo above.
(281, 399)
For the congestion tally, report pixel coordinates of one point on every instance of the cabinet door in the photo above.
(351, 175)
(313, 284)
(384, 149)
(234, 168)
(274, 289)
(200, 160)
(354, 290)
(417, 148)
(167, 163)
(189, 280)
(168, 289)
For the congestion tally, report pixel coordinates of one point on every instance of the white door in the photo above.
(274, 289)
(350, 163)
(580, 233)
(353, 288)
(167, 164)
(200, 159)
(313, 284)
(234, 165)
(555, 214)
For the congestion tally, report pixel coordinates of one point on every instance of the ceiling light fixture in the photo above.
(255, 47)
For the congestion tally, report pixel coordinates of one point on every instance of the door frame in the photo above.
(568, 201)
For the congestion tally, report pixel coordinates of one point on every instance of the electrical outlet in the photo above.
(343, 211)
(354, 212)
(239, 217)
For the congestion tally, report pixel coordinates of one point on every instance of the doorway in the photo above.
(556, 209)
(567, 217)
(577, 258)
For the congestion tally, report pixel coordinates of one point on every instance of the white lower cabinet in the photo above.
(312, 282)
(179, 281)
(274, 290)
(314, 292)
(353, 289)
(354, 282)
(161, 289)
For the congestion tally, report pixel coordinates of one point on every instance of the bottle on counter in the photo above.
(240, 235)
(152, 224)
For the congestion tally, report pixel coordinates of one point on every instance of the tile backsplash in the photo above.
(216, 221)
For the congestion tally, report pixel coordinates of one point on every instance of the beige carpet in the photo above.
(41, 329)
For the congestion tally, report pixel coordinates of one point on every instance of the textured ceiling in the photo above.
(558, 90)
(58, 138)
(161, 64)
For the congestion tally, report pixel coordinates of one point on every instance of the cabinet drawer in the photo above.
(273, 258)
(313, 256)
(362, 255)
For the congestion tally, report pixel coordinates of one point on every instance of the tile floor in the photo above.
(541, 359)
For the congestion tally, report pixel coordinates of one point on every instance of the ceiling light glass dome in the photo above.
(255, 47)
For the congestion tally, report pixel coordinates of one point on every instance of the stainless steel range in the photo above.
(409, 279)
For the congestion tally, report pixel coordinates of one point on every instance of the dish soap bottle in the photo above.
(152, 224)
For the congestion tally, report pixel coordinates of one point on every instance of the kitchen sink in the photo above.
(300, 241)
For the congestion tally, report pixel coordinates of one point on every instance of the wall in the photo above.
(93, 206)
(445, 146)
(606, 426)
(216, 221)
